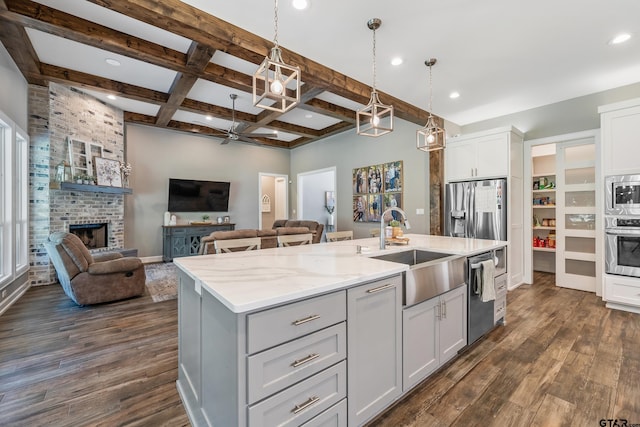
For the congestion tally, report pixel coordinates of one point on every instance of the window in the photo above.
(14, 218)
(6, 200)
(21, 207)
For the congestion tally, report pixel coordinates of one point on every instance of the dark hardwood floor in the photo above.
(562, 359)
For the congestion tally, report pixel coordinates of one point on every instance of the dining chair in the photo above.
(336, 236)
(294, 239)
(246, 244)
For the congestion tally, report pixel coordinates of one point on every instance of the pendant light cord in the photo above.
(275, 14)
(374, 59)
(430, 90)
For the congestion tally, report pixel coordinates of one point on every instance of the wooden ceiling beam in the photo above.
(200, 107)
(15, 39)
(197, 59)
(190, 22)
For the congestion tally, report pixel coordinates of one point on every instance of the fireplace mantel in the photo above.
(94, 188)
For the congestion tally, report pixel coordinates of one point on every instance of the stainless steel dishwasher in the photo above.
(480, 315)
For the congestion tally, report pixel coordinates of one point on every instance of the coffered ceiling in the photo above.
(180, 60)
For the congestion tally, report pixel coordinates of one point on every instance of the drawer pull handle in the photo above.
(306, 319)
(380, 288)
(304, 360)
(305, 405)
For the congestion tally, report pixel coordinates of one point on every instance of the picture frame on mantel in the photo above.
(108, 172)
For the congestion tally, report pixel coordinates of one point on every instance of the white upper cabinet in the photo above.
(620, 127)
(479, 155)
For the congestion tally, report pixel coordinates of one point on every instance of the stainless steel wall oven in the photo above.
(622, 246)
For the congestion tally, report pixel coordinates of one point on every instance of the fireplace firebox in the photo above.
(94, 236)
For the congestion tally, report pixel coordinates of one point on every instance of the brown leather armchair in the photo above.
(91, 280)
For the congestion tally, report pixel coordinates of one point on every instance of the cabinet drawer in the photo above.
(501, 285)
(336, 416)
(499, 308)
(624, 290)
(177, 231)
(303, 401)
(273, 370)
(277, 325)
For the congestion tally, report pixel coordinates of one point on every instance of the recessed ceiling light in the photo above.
(308, 116)
(113, 62)
(208, 117)
(300, 4)
(111, 97)
(454, 95)
(620, 38)
(396, 61)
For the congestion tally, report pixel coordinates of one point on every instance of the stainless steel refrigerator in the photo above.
(476, 209)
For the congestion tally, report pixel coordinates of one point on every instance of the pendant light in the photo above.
(274, 81)
(431, 136)
(376, 119)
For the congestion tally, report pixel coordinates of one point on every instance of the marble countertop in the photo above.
(248, 281)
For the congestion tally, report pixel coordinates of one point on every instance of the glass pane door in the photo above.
(575, 253)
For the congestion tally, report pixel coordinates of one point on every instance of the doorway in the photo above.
(312, 187)
(273, 203)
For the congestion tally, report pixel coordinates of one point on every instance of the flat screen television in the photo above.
(189, 195)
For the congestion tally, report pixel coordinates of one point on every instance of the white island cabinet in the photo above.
(307, 336)
(375, 343)
(432, 333)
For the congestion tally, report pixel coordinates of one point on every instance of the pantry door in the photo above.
(576, 208)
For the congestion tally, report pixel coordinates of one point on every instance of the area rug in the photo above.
(162, 281)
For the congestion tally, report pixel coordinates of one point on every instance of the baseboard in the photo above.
(7, 302)
(151, 259)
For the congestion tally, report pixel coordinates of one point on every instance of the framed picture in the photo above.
(108, 172)
(227, 219)
(393, 176)
(360, 179)
(360, 208)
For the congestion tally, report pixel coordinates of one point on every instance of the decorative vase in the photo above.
(396, 232)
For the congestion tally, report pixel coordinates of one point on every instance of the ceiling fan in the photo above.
(232, 135)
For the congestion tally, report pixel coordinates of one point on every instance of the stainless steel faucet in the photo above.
(404, 219)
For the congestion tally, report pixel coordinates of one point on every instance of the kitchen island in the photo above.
(263, 334)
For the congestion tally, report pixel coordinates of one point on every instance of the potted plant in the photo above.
(205, 218)
(396, 231)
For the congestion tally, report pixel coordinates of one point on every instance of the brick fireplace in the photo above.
(56, 113)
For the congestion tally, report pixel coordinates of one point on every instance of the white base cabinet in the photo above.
(622, 293)
(374, 358)
(432, 333)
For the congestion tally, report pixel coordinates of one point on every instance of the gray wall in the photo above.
(347, 150)
(13, 90)
(157, 155)
(573, 115)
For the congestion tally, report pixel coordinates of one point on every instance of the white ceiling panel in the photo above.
(65, 53)
(124, 104)
(307, 119)
(117, 21)
(213, 93)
